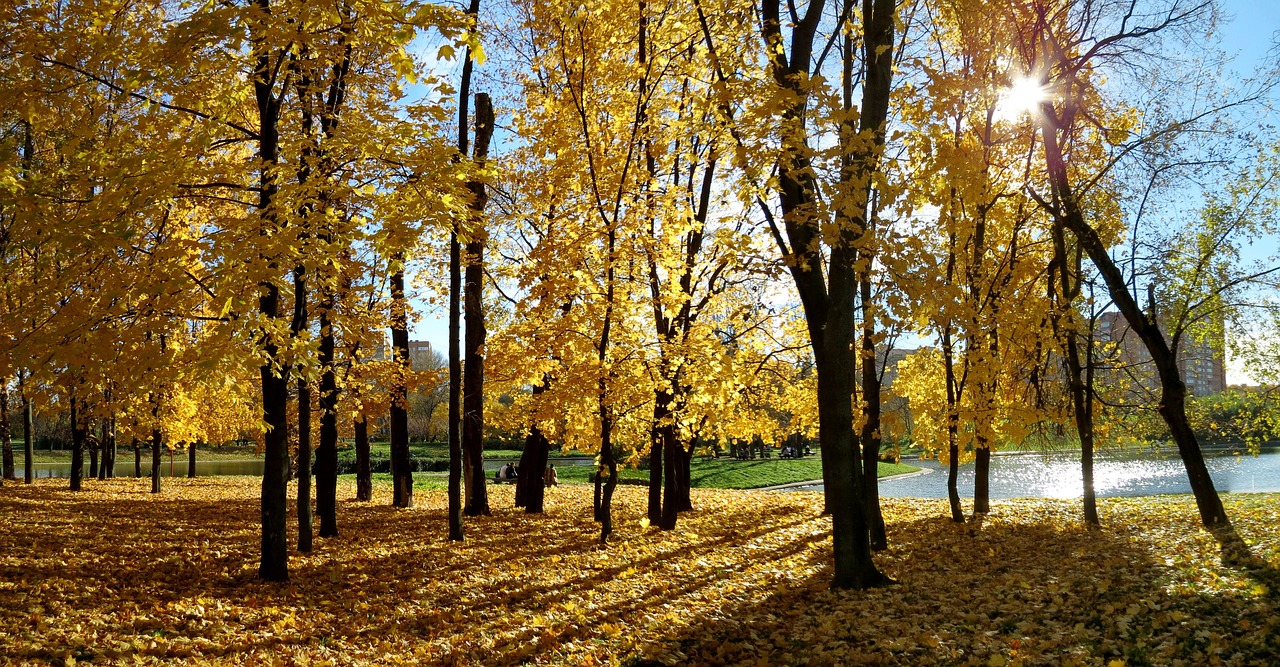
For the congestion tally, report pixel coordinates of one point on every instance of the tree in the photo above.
(1064, 47)
(820, 252)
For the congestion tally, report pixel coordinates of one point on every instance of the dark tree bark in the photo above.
(982, 478)
(473, 369)
(674, 492)
(401, 474)
(77, 446)
(656, 446)
(953, 428)
(685, 479)
(1173, 391)
(93, 454)
(364, 476)
(326, 105)
(458, 464)
(107, 440)
(156, 444)
(6, 434)
(28, 433)
(530, 489)
(305, 530)
(327, 452)
(301, 320)
(605, 487)
(137, 459)
(269, 63)
(1064, 289)
(191, 460)
(870, 435)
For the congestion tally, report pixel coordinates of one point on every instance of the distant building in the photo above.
(896, 355)
(1201, 363)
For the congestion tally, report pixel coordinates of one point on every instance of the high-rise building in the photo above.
(1201, 363)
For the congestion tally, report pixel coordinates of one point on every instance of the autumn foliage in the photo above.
(114, 574)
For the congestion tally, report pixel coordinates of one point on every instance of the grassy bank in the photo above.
(725, 473)
(705, 474)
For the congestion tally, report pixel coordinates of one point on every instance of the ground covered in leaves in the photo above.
(115, 574)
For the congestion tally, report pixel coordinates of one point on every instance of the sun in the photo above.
(1022, 97)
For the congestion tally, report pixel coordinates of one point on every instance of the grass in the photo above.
(706, 474)
(723, 473)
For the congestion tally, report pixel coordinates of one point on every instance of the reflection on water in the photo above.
(1058, 475)
(175, 468)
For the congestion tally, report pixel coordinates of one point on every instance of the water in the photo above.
(176, 468)
(1058, 476)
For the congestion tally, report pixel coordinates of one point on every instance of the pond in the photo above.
(178, 466)
(1120, 474)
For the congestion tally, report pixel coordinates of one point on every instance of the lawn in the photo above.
(706, 474)
(114, 574)
(726, 473)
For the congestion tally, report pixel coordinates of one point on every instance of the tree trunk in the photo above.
(6, 435)
(298, 326)
(305, 531)
(191, 460)
(456, 446)
(684, 481)
(156, 443)
(107, 442)
(473, 293)
(28, 435)
(1084, 426)
(1172, 390)
(870, 435)
(982, 477)
(674, 491)
(953, 446)
(457, 465)
(608, 463)
(1063, 295)
(93, 455)
(829, 301)
(473, 380)
(401, 475)
(657, 444)
(364, 476)
(77, 447)
(530, 488)
(327, 452)
(604, 488)
(137, 459)
(274, 557)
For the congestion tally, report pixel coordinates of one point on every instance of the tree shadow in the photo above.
(175, 578)
(987, 594)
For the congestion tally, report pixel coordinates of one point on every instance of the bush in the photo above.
(347, 466)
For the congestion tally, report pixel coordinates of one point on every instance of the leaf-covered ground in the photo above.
(114, 574)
